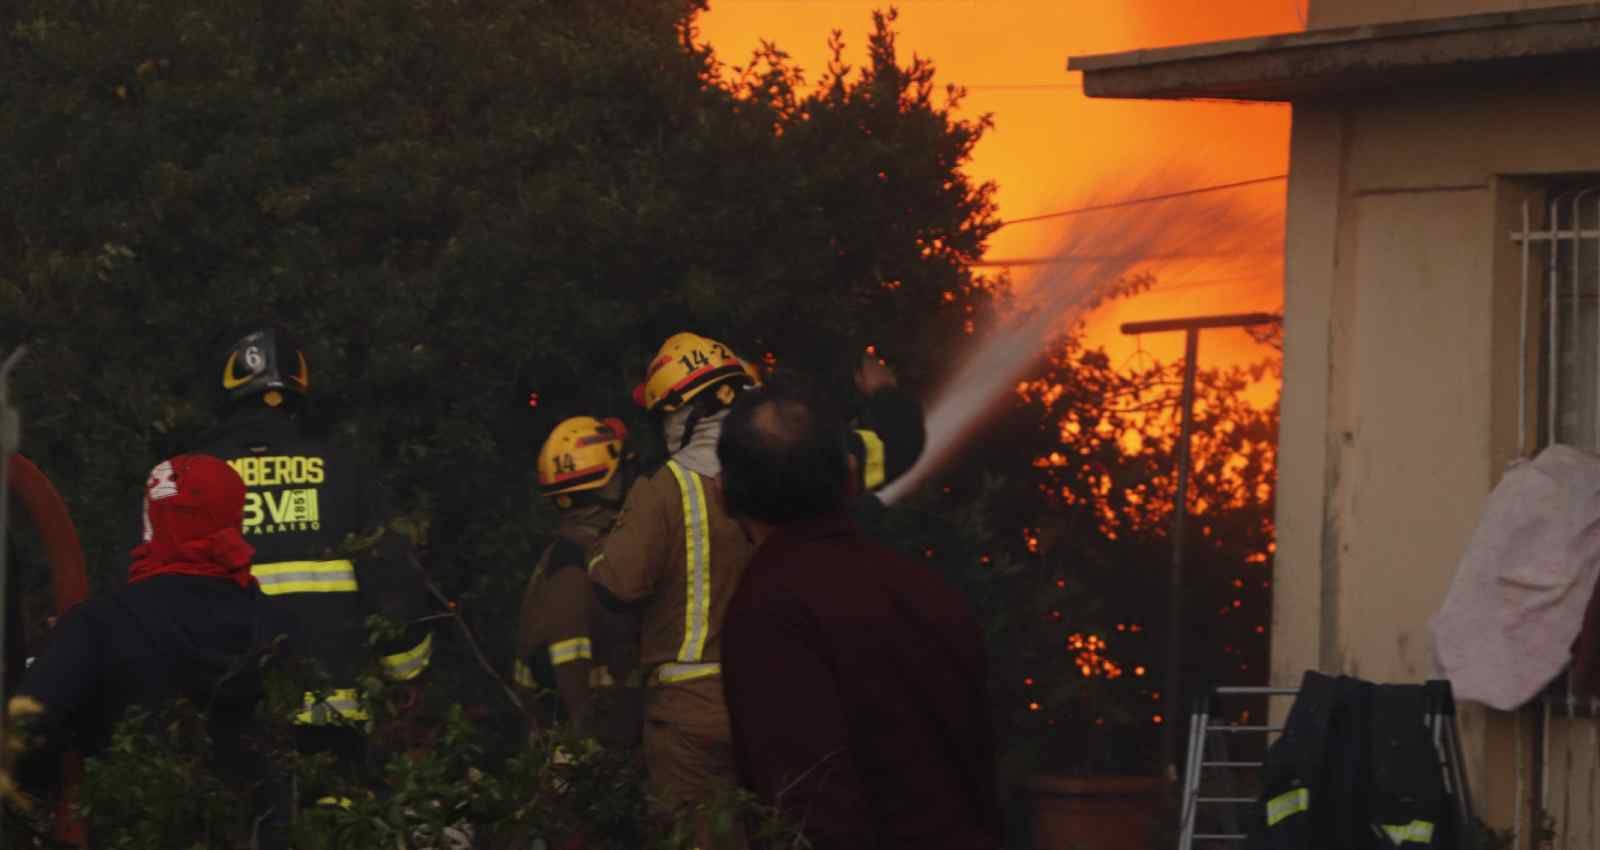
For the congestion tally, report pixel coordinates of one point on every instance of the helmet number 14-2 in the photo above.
(694, 360)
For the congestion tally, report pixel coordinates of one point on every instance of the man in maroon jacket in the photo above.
(854, 677)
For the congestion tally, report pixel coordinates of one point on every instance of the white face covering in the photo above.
(700, 455)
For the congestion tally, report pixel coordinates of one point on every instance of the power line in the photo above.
(1071, 259)
(1145, 200)
(1203, 284)
(1023, 87)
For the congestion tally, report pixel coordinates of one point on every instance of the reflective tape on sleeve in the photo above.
(697, 560)
(523, 674)
(336, 706)
(277, 579)
(1286, 805)
(1415, 832)
(408, 665)
(568, 651)
(873, 467)
(672, 674)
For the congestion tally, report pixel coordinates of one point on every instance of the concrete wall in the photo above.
(1402, 297)
(1344, 13)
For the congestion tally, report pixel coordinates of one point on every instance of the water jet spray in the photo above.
(1096, 252)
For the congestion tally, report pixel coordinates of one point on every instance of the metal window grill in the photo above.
(1561, 310)
(1560, 325)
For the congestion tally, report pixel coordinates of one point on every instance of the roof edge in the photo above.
(1327, 37)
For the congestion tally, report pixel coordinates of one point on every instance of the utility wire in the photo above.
(1071, 259)
(1023, 87)
(1145, 200)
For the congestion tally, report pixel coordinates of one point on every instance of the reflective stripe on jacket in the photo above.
(676, 553)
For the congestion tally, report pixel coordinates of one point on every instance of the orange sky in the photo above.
(1052, 146)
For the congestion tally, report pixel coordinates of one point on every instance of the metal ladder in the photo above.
(1439, 717)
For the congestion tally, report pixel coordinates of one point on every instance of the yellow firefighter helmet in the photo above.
(582, 453)
(686, 365)
(751, 370)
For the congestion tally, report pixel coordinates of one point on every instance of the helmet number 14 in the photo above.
(694, 360)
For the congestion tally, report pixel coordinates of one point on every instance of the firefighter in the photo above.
(325, 556)
(190, 622)
(675, 557)
(565, 643)
(888, 432)
(888, 435)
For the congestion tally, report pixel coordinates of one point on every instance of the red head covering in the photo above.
(193, 510)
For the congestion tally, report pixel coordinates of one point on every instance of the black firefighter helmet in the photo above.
(263, 361)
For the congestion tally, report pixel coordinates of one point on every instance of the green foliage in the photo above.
(158, 786)
(154, 787)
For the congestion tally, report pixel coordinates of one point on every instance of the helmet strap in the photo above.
(695, 414)
(707, 404)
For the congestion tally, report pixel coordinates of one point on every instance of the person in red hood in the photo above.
(190, 623)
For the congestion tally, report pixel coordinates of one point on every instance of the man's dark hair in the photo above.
(784, 453)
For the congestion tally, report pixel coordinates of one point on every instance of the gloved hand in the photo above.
(16, 740)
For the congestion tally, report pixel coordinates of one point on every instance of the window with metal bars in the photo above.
(1559, 399)
(1560, 243)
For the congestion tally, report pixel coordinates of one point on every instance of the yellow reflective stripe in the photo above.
(697, 558)
(1284, 805)
(873, 470)
(568, 651)
(342, 703)
(408, 665)
(669, 674)
(336, 802)
(523, 674)
(1419, 831)
(595, 560)
(283, 577)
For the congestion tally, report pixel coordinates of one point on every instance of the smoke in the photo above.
(1205, 235)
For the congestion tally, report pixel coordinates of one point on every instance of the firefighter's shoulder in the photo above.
(652, 508)
(657, 488)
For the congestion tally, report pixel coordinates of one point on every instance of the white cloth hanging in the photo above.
(1517, 601)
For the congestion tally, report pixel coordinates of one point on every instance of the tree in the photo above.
(1075, 551)
(457, 206)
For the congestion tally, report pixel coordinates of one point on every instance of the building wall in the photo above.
(1344, 13)
(1401, 380)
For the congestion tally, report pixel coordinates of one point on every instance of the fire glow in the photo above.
(1050, 143)
(1216, 232)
